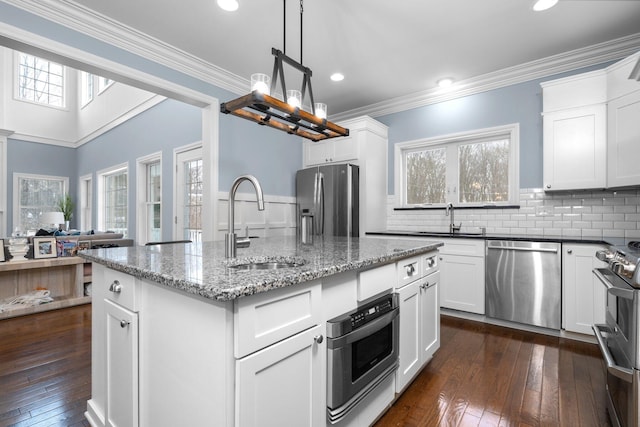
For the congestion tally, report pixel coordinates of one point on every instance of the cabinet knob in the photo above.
(431, 261)
(115, 287)
(410, 269)
(548, 185)
(569, 251)
(124, 323)
(318, 339)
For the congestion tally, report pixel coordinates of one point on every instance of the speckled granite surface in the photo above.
(203, 270)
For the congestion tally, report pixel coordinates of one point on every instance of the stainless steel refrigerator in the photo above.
(330, 195)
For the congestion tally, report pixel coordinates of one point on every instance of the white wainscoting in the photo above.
(277, 219)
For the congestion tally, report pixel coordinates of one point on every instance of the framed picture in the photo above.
(2, 259)
(44, 247)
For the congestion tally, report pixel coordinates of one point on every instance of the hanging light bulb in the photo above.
(321, 110)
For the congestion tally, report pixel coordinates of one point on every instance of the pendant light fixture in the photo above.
(262, 107)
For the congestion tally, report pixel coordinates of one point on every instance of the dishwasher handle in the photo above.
(518, 248)
(623, 373)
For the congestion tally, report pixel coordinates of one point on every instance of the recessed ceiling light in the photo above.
(228, 5)
(446, 82)
(541, 5)
(337, 77)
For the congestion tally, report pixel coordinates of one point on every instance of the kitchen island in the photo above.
(184, 336)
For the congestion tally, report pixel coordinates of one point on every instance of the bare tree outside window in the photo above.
(40, 80)
(426, 176)
(38, 195)
(193, 200)
(484, 171)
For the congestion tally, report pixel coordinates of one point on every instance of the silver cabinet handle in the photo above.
(569, 251)
(318, 339)
(124, 323)
(115, 287)
(410, 269)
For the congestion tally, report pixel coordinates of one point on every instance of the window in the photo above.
(104, 83)
(40, 81)
(472, 168)
(189, 190)
(149, 198)
(113, 203)
(34, 195)
(86, 88)
(86, 201)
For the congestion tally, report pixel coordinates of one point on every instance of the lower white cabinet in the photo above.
(121, 329)
(584, 295)
(462, 283)
(419, 327)
(282, 385)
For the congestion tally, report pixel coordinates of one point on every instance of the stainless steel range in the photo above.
(619, 338)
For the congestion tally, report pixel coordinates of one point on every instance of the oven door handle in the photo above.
(614, 290)
(363, 331)
(624, 374)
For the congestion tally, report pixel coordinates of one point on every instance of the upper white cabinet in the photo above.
(575, 132)
(591, 129)
(366, 146)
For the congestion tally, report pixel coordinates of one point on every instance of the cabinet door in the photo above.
(409, 340)
(584, 294)
(430, 316)
(462, 283)
(575, 148)
(283, 385)
(121, 366)
(317, 153)
(345, 149)
(624, 141)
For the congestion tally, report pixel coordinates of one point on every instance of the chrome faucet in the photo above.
(452, 226)
(230, 238)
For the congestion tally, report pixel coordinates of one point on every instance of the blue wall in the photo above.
(519, 103)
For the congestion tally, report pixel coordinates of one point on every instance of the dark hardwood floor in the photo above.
(482, 375)
(486, 375)
(45, 368)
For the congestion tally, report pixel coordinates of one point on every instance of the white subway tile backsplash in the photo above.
(590, 214)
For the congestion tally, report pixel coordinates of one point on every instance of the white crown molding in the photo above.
(43, 140)
(86, 21)
(568, 61)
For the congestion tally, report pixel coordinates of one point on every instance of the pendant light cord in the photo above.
(301, 10)
(284, 27)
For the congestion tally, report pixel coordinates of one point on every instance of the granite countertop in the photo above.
(615, 241)
(202, 269)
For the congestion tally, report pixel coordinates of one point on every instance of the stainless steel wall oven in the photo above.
(362, 350)
(619, 338)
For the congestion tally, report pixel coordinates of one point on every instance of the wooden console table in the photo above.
(64, 277)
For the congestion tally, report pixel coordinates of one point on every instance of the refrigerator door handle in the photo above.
(320, 205)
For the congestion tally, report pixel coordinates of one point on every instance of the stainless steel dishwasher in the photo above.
(523, 282)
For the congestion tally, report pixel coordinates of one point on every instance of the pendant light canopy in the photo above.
(262, 107)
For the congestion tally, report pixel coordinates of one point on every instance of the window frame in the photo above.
(87, 89)
(141, 194)
(16, 83)
(85, 185)
(17, 205)
(104, 83)
(451, 143)
(101, 176)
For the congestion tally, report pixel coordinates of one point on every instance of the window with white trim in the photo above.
(39, 80)
(34, 195)
(149, 198)
(113, 199)
(86, 201)
(472, 168)
(86, 88)
(103, 84)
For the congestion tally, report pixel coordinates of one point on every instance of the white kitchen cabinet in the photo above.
(366, 146)
(462, 275)
(624, 140)
(121, 366)
(584, 299)
(575, 144)
(282, 385)
(575, 132)
(419, 319)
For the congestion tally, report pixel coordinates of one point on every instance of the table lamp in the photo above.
(52, 218)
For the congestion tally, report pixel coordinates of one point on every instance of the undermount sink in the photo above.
(270, 265)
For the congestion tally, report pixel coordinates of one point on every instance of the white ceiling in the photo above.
(386, 49)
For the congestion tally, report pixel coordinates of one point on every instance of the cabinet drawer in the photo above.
(377, 280)
(408, 270)
(121, 288)
(266, 318)
(472, 247)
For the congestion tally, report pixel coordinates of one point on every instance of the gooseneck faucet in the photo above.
(230, 237)
(452, 226)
